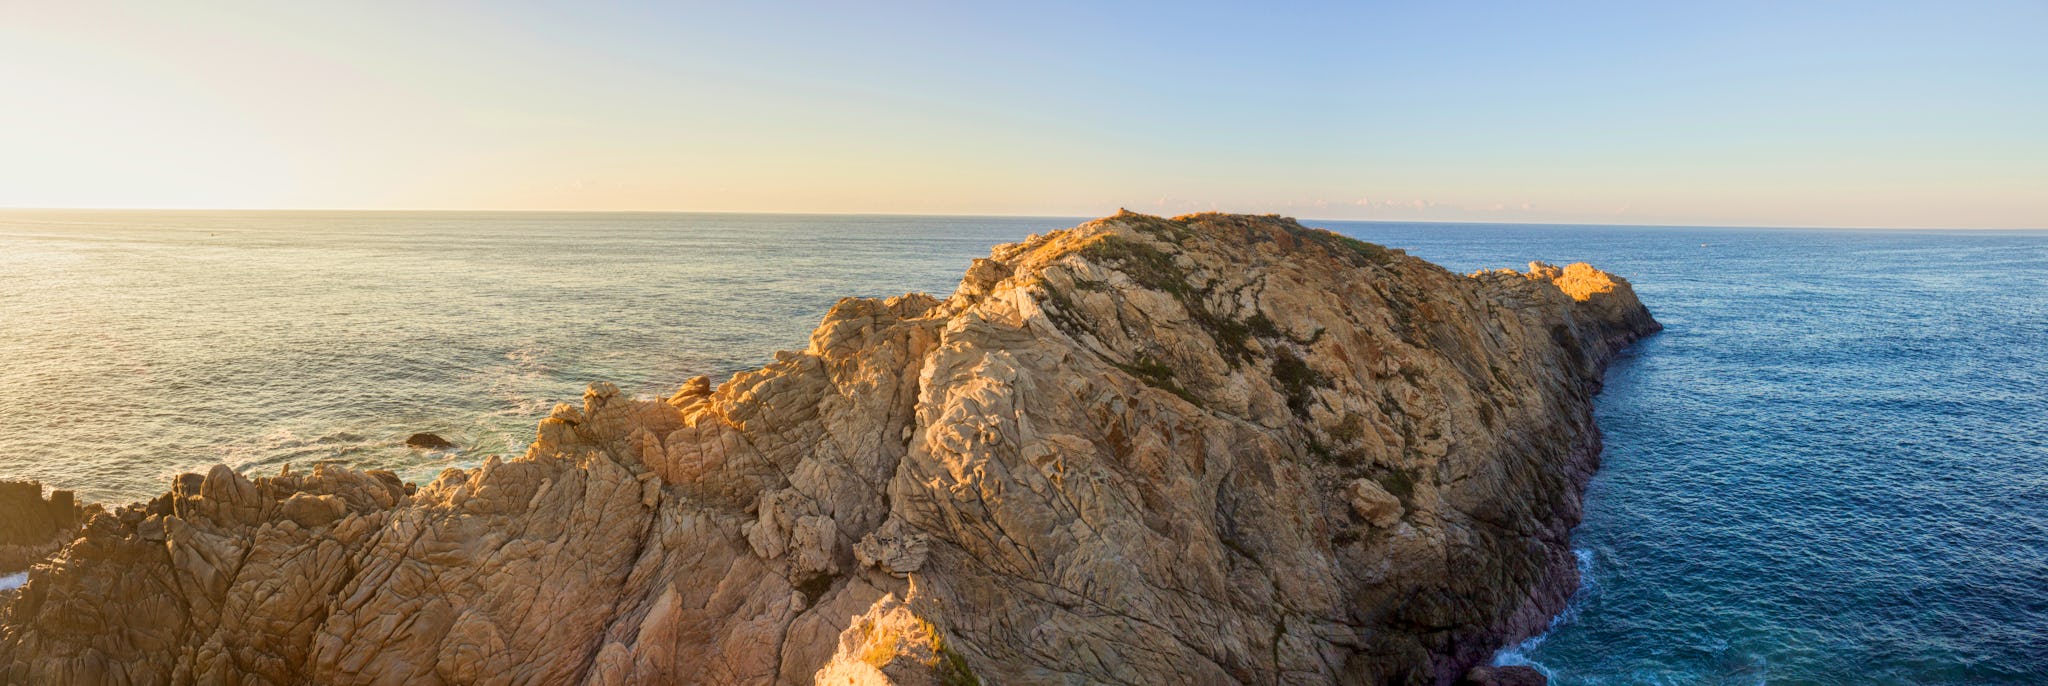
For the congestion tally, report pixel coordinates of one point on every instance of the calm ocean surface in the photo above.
(1831, 468)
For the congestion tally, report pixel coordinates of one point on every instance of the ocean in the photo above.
(1831, 468)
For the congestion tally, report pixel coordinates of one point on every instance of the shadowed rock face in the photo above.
(1210, 449)
(428, 442)
(32, 526)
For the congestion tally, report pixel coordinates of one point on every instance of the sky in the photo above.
(1864, 114)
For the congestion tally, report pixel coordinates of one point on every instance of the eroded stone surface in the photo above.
(33, 526)
(1504, 676)
(1138, 451)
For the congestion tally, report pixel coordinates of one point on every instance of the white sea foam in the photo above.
(13, 581)
(1518, 654)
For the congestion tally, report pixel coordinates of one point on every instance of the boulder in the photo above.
(1373, 503)
(426, 441)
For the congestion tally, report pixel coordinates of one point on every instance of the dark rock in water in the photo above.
(1517, 675)
(428, 442)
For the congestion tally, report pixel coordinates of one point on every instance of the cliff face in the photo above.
(1210, 449)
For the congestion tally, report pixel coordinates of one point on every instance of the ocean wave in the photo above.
(517, 380)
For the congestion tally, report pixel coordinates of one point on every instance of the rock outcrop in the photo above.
(32, 526)
(1504, 676)
(426, 441)
(1209, 449)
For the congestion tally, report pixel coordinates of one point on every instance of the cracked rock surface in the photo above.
(1208, 449)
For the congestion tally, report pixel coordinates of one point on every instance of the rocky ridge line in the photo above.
(1207, 449)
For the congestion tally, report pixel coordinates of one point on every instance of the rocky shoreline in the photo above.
(1206, 449)
(32, 526)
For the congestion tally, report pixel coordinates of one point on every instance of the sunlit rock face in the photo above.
(1209, 449)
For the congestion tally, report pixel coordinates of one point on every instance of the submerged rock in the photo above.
(426, 441)
(1208, 449)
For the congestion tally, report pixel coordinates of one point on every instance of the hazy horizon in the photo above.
(1902, 115)
(1307, 220)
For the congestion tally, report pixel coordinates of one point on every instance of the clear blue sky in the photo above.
(1819, 113)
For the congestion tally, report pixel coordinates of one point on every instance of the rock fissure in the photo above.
(1088, 602)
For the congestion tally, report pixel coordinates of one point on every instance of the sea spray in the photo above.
(1518, 654)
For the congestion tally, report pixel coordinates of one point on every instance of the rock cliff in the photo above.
(32, 526)
(1208, 449)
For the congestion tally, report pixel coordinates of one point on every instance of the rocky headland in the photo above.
(1210, 449)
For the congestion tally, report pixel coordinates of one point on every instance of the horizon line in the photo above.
(1833, 227)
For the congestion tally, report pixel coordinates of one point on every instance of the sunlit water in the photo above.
(1831, 468)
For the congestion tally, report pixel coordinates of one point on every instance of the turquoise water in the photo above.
(1832, 467)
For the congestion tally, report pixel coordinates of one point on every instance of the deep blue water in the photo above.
(1832, 467)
